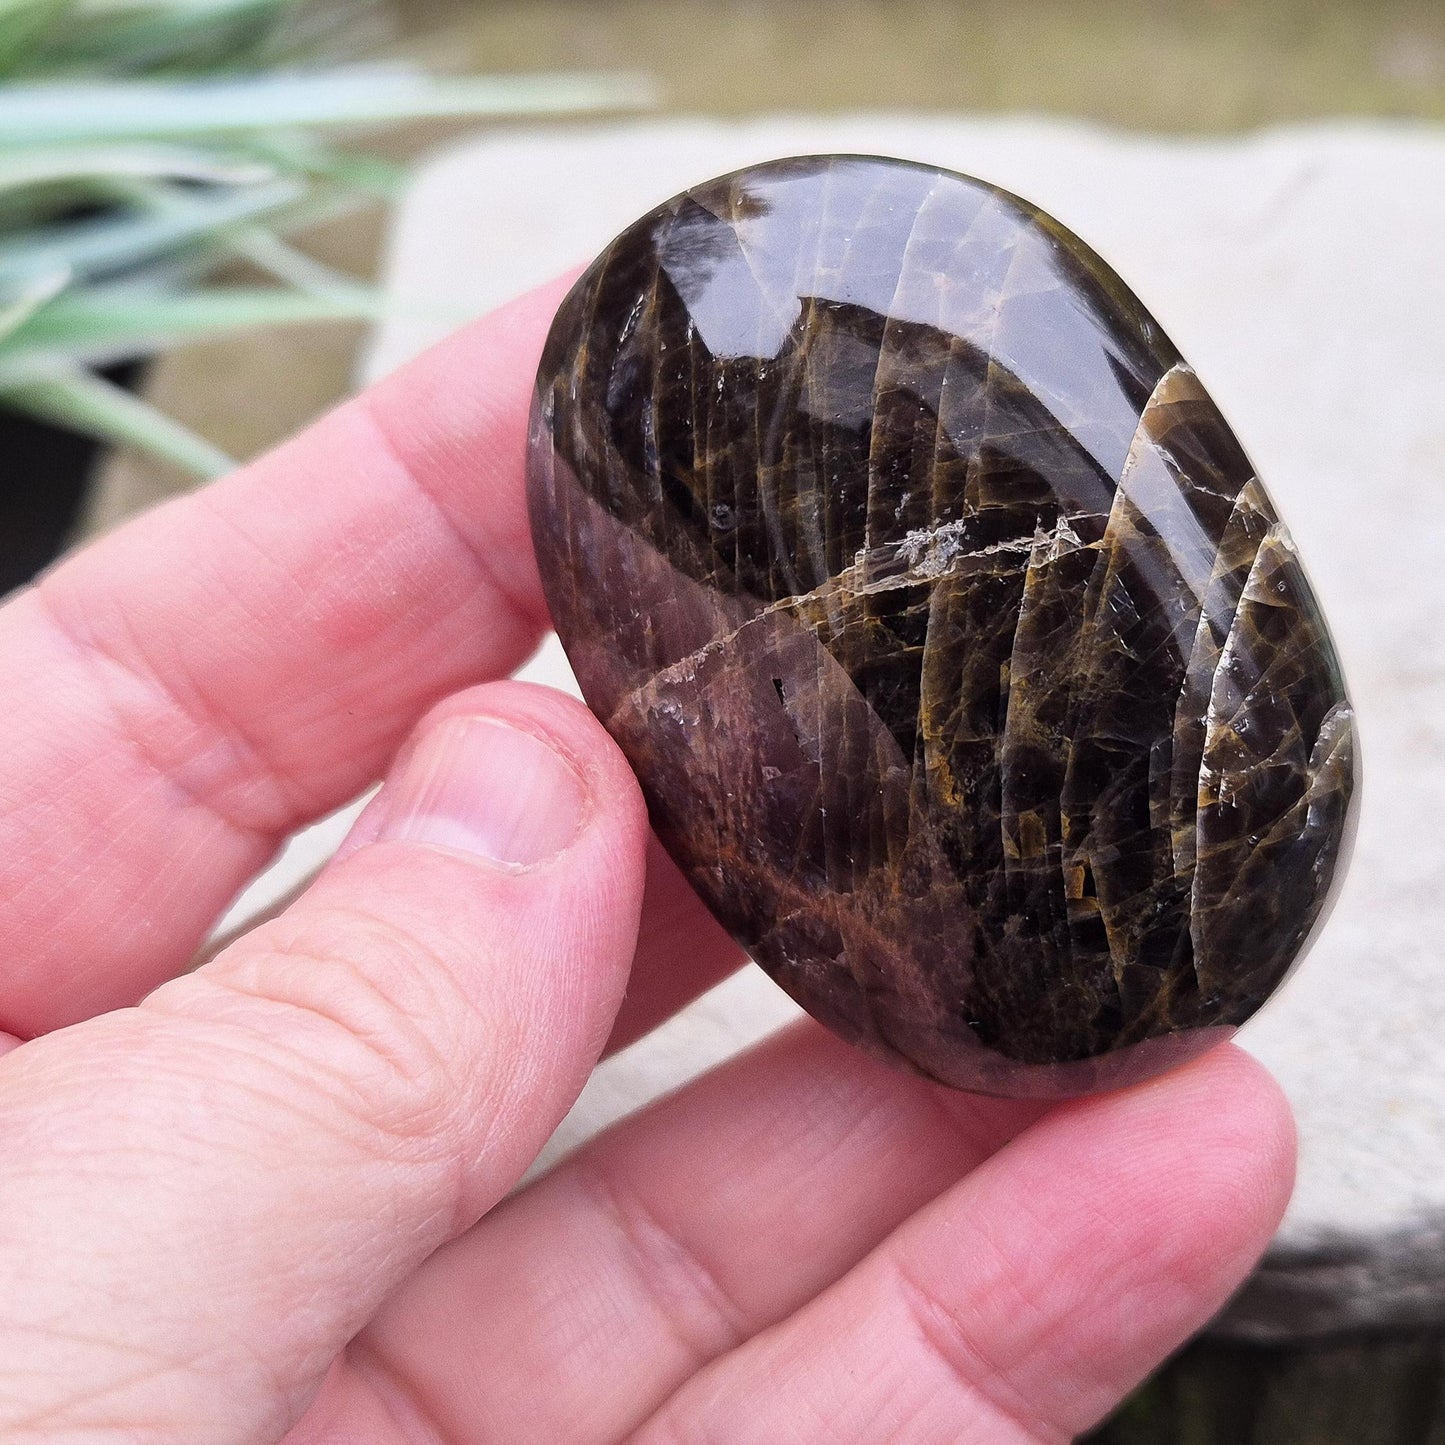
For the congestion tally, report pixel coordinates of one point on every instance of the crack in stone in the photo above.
(928, 555)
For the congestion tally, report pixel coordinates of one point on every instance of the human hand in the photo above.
(245, 1202)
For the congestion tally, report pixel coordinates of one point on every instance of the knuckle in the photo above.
(949, 1340)
(669, 1270)
(357, 1013)
(173, 731)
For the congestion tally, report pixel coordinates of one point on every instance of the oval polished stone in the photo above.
(968, 671)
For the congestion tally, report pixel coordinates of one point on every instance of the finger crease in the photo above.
(278, 813)
(534, 614)
(686, 1292)
(399, 1395)
(955, 1348)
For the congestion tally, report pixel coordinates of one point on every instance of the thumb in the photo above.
(202, 1198)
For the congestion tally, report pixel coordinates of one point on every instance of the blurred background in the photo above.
(99, 199)
(198, 197)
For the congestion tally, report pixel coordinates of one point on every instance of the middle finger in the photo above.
(574, 1309)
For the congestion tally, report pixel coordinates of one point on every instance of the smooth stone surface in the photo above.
(1321, 244)
(969, 673)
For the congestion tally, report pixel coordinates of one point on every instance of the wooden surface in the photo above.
(1382, 1389)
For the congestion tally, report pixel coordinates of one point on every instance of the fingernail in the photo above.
(480, 786)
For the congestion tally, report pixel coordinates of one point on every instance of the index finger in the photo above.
(185, 693)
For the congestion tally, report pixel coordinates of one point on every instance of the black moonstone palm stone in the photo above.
(968, 671)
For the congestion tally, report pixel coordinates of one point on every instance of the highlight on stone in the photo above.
(968, 671)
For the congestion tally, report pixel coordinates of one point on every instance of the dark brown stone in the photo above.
(968, 671)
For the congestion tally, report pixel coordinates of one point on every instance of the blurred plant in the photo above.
(142, 143)
(44, 38)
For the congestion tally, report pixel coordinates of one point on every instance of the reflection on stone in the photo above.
(968, 671)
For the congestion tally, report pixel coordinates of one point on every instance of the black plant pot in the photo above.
(45, 482)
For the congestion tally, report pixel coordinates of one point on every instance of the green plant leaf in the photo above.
(50, 165)
(31, 297)
(108, 243)
(295, 268)
(53, 114)
(98, 325)
(303, 151)
(87, 403)
(24, 26)
(118, 194)
(121, 36)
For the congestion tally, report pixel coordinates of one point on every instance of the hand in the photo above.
(246, 1201)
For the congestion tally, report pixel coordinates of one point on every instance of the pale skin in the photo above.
(270, 1198)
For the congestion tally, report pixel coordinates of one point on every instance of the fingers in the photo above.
(682, 950)
(334, 1096)
(1021, 1305)
(183, 694)
(572, 1311)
